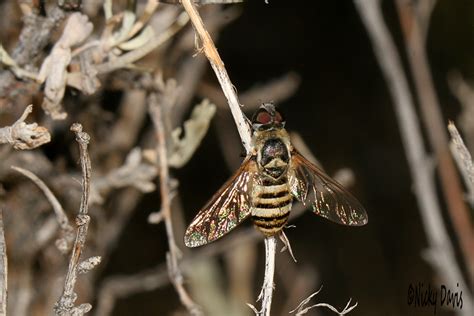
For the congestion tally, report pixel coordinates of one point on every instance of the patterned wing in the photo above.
(328, 198)
(227, 208)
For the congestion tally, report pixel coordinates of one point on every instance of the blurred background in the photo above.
(316, 62)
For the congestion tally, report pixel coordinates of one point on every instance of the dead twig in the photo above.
(3, 269)
(24, 136)
(65, 304)
(302, 309)
(63, 244)
(463, 159)
(434, 123)
(218, 66)
(174, 271)
(266, 294)
(441, 253)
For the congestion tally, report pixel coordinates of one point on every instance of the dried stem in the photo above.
(434, 124)
(266, 294)
(245, 134)
(3, 269)
(441, 254)
(463, 159)
(65, 304)
(268, 284)
(218, 66)
(174, 271)
(24, 136)
(302, 309)
(65, 243)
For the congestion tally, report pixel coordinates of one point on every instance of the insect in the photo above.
(272, 175)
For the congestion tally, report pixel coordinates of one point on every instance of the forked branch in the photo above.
(65, 304)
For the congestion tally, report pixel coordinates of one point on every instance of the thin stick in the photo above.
(218, 66)
(174, 271)
(3, 269)
(434, 124)
(441, 253)
(61, 216)
(65, 304)
(463, 158)
(267, 288)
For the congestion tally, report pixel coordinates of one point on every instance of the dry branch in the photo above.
(302, 308)
(412, 26)
(245, 134)
(218, 66)
(441, 253)
(24, 136)
(463, 159)
(3, 269)
(65, 304)
(63, 244)
(174, 270)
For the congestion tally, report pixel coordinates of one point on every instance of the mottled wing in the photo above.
(328, 198)
(227, 208)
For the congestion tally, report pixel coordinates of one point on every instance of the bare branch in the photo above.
(464, 92)
(441, 254)
(63, 244)
(174, 271)
(266, 293)
(24, 136)
(463, 159)
(3, 269)
(435, 126)
(135, 172)
(65, 304)
(124, 285)
(218, 66)
(302, 309)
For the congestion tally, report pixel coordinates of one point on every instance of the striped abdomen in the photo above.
(271, 205)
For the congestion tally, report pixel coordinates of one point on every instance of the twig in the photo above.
(463, 159)
(441, 253)
(266, 293)
(464, 92)
(135, 172)
(24, 136)
(174, 271)
(124, 285)
(3, 269)
(301, 309)
(218, 66)
(65, 304)
(433, 120)
(63, 244)
(280, 88)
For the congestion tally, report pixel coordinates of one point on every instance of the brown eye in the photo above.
(278, 118)
(263, 117)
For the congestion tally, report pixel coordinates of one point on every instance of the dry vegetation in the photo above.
(71, 65)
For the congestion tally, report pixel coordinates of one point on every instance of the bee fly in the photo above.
(272, 174)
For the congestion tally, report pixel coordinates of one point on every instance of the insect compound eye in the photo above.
(263, 117)
(278, 118)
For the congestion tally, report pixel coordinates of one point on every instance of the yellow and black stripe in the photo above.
(271, 205)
